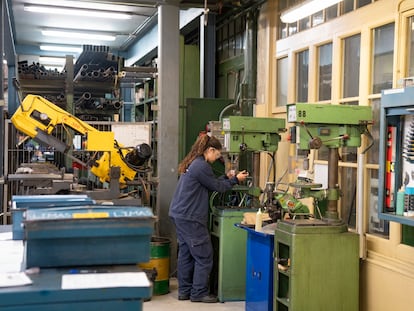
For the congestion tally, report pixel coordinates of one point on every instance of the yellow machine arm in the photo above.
(38, 117)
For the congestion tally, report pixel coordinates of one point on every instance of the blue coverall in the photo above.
(189, 212)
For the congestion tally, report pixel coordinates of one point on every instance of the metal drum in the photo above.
(159, 265)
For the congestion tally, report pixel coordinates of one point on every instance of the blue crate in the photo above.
(20, 203)
(87, 235)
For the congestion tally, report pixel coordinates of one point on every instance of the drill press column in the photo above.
(333, 189)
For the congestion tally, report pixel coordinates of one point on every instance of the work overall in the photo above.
(195, 257)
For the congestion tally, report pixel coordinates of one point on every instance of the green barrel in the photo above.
(160, 262)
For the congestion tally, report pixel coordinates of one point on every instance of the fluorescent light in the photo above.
(78, 35)
(305, 9)
(76, 12)
(61, 48)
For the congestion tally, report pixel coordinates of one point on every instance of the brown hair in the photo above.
(202, 143)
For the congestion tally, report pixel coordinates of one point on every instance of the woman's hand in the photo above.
(241, 176)
(230, 174)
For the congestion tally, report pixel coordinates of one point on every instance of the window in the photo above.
(373, 151)
(348, 199)
(302, 76)
(317, 18)
(240, 24)
(383, 56)
(347, 6)
(282, 81)
(410, 52)
(325, 71)
(351, 66)
(331, 12)
(375, 225)
(325, 15)
(230, 39)
(292, 28)
(304, 23)
(361, 3)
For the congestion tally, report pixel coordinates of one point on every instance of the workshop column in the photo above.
(168, 104)
(208, 56)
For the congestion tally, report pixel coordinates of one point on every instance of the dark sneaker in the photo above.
(183, 297)
(206, 299)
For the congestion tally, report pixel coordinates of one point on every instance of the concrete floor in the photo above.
(170, 302)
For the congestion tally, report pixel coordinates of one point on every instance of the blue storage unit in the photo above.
(259, 269)
(48, 292)
(87, 235)
(21, 203)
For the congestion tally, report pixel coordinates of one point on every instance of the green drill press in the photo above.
(239, 135)
(317, 260)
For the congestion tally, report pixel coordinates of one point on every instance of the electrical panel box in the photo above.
(396, 156)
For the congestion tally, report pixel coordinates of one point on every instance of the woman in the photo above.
(189, 212)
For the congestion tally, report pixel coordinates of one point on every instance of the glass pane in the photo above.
(239, 44)
(292, 28)
(325, 71)
(317, 18)
(375, 225)
(283, 30)
(282, 81)
(383, 56)
(351, 66)
(323, 153)
(349, 154)
(302, 76)
(373, 152)
(304, 23)
(232, 40)
(361, 3)
(225, 42)
(347, 6)
(220, 44)
(410, 54)
(331, 12)
(348, 198)
(354, 102)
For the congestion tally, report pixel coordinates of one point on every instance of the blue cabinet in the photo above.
(259, 270)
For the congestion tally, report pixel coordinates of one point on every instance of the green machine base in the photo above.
(316, 267)
(228, 278)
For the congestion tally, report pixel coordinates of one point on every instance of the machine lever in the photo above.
(315, 142)
(306, 129)
(343, 137)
